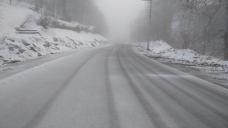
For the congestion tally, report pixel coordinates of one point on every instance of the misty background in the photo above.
(200, 25)
(119, 15)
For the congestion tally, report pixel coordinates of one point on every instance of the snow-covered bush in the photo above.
(57, 24)
(44, 21)
(35, 8)
(78, 28)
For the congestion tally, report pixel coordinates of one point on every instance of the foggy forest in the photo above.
(200, 25)
(113, 63)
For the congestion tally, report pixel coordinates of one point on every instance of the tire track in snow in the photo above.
(178, 100)
(194, 83)
(150, 110)
(113, 117)
(186, 92)
(45, 108)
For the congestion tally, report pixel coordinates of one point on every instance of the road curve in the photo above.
(110, 87)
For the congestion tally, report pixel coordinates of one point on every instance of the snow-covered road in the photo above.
(110, 87)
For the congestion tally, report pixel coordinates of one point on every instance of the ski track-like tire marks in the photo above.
(181, 101)
(152, 113)
(221, 97)
(41, 113)
(194, 83)
(113, 87)
(113, 117)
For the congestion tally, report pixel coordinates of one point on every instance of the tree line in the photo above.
(82, 11)
(200, 25)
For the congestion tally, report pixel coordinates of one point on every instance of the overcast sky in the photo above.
(119, 15)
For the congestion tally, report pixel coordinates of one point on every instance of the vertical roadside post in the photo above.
(138, 31)
(150, 16)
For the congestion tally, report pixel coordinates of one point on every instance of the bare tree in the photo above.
(1, 10)
(226, 34)
(72, 10)
(29, 19)
(64, 10)
(196, 24)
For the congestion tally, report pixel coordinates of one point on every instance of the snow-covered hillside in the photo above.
(20, 47)
(160, 49)
(211, 67)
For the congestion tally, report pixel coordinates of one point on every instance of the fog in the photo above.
(200, 25)
(119, 15)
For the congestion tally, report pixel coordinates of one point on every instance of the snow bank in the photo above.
(160, 49)
(17, 47)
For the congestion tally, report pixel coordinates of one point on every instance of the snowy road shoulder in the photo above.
(15, 68)
(18, 43)
(205, 67)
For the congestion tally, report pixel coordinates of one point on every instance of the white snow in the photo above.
(20, 47)
(160, 49)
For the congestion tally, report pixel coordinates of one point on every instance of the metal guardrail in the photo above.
(28, 32)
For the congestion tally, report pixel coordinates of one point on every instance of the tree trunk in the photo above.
(226, 38)
(59, 12)
(168, 17)
(82, 11)
(41, 3)
(226, 45)
(64, 13)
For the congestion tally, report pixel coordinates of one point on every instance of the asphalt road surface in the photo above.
(110, 87)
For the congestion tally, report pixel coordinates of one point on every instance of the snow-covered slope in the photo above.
(20, 47)
(160, 49)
